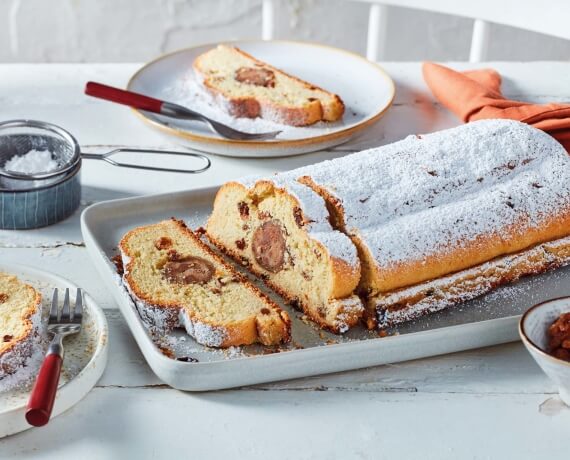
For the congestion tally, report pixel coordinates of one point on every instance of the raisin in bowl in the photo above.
(543, 333)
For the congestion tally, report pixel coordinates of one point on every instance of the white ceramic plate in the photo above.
(85, 354)
(365, 88)
(533, 329)
(488, 320)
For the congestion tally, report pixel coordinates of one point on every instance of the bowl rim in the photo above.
(527, 340)
(45, 126)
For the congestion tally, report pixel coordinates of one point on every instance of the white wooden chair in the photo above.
(549, 17)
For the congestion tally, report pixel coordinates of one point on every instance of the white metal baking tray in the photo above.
(488, 320)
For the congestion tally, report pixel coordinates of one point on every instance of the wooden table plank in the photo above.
(164, 423)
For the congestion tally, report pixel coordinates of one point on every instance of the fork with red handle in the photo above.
(62, 323)
(169, 109)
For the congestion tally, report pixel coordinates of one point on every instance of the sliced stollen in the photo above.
(439, 218)
(176, 280)
(432, 205)
(281, 232)
(20, 324)
(247, 87)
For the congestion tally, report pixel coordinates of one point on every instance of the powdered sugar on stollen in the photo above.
(430, 194)
(204, 333)
(319, 227)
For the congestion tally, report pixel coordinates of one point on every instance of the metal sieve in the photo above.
(37, 199)
(18, 137)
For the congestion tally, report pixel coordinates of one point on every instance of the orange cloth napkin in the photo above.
(476, 95)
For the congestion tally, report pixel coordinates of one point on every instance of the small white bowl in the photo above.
(533, 329)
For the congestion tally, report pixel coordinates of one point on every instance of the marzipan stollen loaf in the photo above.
(20, 327)
(176, 280)
(282, 234)
(247, 87)
(432, 205)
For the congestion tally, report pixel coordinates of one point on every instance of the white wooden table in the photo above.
(488, 403)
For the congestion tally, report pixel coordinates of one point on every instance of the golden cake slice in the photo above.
(20, 324)
(281, 232)
(176, 280)
(247, 87)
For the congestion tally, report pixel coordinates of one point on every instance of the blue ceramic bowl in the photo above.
(27, 203)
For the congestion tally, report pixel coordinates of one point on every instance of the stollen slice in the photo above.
(281, 232)
(247, 87)
(177, 281)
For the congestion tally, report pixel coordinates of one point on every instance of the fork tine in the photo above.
(65, 312)
(54, 307)
(78, 308)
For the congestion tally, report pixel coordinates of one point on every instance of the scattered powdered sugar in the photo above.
(35, 161)
(427, 195)
(158, 321)
(235, 352)
(190, 93)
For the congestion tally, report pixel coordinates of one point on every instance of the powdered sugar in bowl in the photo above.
(39, 174)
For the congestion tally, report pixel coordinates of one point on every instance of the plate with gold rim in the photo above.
(366, 89)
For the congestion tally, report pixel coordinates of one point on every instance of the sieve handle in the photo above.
(121, 96)
(107, 157)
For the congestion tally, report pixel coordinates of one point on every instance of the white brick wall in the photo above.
(138, 30)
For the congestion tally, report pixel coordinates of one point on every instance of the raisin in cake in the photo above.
(444, 217)
(20, 324)
(247, 87)
(282, 233)
(176, 280)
